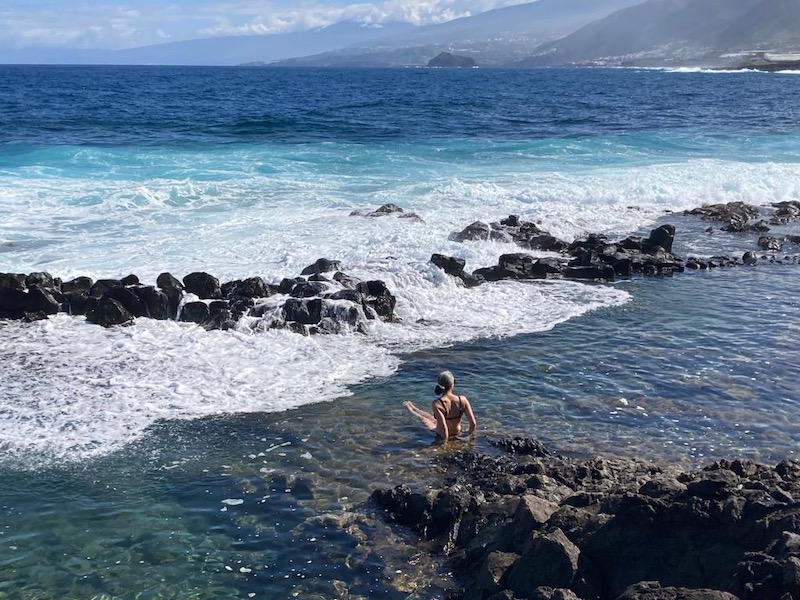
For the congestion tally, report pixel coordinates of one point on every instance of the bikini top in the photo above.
(460, 408)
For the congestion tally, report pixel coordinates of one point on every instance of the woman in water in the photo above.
(448, 408)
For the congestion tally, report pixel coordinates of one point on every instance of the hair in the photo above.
(444, 383)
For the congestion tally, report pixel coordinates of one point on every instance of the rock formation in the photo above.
(597, 258)
(446, 59)
(322, 299)
(528, 524)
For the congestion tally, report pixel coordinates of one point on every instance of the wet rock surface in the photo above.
(595, 257)
(522, 523)
(385, 210)
(323, 299)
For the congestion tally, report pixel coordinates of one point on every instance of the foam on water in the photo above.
(236, 221)
(731, 71)
(75, 390)
(78, 390)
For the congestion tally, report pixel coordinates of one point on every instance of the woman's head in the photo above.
(444, 383)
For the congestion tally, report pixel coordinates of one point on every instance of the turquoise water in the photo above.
(272, 504)
(163, 461)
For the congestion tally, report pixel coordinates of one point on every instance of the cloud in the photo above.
(111, 25)
(269, 18)
(80, 25)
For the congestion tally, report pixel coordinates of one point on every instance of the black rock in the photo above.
(253, 287)
(661, 238)
(168, 283)
(521, 446)
(770, 244)
(43, 280)
(13, 281)
(79, 285)
(524, 266)
(308, 289)
(378, 297)
(42, 300)
(322, 265)
(203, 285)
(173, 289)
(473, 232)
(347, 294)
(302, 310)
(14, 302)
(195, 312)
(101, 286)
(108, 313)
(593, 272)
(156, 303)
(77, 303)
(345, 280)
(446, 59)
(786, 212)
(449, 264)
(130, 280)
(128, 299)
(286, 284)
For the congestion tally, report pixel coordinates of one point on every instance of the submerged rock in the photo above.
(512, 229)
(387, 209)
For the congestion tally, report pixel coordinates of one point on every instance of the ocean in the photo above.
(165, 461)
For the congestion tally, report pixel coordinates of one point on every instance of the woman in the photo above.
(448, 408)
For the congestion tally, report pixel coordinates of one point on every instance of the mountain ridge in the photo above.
(676, 31)
(543, 33)
(521, 27)
(219, 51)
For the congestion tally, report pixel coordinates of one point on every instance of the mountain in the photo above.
(230, 50)
(494, 37)
(677, 31)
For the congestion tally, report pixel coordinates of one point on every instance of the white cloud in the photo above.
(85, 24)
(268, 18)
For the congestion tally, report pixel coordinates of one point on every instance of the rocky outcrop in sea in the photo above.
(325, 299)
(595, 257)
(322, 299)
(447, 59)
(521, 523)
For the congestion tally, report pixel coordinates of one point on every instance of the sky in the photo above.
(115, 24)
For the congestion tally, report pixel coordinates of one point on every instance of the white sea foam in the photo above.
(73, 390)
(251, 224)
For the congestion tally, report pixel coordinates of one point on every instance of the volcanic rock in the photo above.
(523, 526)
(203, 285)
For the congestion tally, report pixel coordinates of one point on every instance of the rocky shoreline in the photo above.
(521, 523)
(518, 522)
(325, 299)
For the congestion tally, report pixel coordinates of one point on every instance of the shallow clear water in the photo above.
(161, 460)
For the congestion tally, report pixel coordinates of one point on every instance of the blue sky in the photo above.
(112, 24)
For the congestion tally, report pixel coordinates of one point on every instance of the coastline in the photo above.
(163, 459)
(528, 524)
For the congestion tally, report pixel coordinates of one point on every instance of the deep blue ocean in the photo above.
(165, 461)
